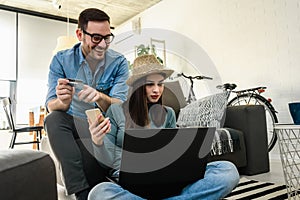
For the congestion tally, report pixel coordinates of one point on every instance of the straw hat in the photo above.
(145, 65)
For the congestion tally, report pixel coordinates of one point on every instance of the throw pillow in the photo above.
(205, 112)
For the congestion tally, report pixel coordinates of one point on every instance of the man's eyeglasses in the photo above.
(97, 38)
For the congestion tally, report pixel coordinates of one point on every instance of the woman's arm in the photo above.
(109, 152)
(171, 118)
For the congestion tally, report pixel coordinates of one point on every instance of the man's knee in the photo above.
(54, 120)
(55, 117)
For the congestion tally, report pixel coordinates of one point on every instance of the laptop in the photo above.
(159, 163)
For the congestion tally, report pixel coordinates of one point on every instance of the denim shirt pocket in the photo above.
(104, 87)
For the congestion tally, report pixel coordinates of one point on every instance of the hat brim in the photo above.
(133, 78)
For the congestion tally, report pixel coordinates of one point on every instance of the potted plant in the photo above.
(144, 50)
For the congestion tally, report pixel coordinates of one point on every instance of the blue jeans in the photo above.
(220, 178)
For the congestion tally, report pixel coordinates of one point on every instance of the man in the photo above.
(103, 73)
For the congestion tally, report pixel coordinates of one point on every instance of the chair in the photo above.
(6, 103)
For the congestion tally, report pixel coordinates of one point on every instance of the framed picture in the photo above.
(158, 48)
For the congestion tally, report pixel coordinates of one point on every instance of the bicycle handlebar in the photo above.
(196, 77)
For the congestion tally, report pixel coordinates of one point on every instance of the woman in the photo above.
(144, 109)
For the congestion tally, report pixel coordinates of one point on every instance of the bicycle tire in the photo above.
(271, 118)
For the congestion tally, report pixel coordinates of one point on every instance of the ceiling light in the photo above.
(66, 41)
(56, 4)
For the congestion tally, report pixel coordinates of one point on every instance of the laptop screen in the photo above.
(154, 160)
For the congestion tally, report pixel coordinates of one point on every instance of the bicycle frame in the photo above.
(254, 93)
(192, 96)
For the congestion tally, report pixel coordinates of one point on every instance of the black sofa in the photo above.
(30, 174)
(247, 124)
(27, 175)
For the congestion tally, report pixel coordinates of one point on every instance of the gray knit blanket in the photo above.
(222, 142)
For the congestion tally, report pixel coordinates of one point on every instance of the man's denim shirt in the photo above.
(110, 77)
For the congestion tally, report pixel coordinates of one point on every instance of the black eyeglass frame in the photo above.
(101, 37)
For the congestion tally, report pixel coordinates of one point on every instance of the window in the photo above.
(8, 42)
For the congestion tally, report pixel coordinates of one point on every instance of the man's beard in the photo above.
(97, 53)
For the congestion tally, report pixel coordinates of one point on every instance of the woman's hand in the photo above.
(98, 130)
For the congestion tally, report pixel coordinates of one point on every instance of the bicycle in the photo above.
(192, 96)
(250, 96)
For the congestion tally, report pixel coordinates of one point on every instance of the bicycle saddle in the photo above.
(227, 86)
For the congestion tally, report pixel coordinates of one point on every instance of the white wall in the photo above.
(251, 42)
(37, 40)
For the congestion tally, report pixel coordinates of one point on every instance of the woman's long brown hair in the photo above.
(136, 108)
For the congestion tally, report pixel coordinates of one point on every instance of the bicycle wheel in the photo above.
(271, 118)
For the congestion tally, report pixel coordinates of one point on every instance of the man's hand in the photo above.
(98, 131)
(64, 92)
(89, 94)
(64, 96)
